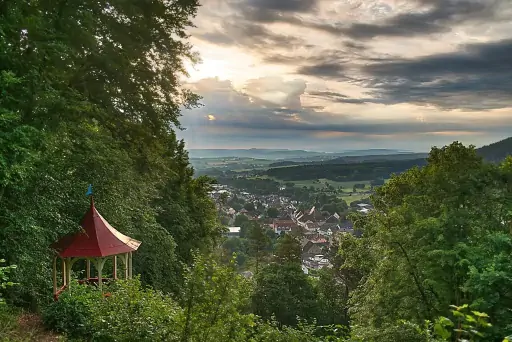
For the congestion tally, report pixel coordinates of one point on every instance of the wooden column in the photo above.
(115, 268)
(126, 265)
(101, 262)
(69, 265)
(64, 278)
(130, 269)
(88, 269)
(54, 275)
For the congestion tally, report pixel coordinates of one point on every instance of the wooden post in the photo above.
(69, 265)
(54, 275)
(115, 267)
(126, 262)
(88, 269)
(64, 278)
(130, 270)
(101, 262)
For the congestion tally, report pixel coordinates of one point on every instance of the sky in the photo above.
(334, 75)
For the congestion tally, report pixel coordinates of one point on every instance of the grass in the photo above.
(354, 197)
(320, 183)
(18, 326)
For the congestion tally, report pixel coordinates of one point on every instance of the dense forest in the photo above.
(497, 151)
(90, 93)
(344, 172)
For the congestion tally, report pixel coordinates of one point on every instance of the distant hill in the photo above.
(369, 170)
(497, 151)
(353, 159)
(285, 154)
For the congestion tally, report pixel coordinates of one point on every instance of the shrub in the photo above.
(133, 313)
(4, 280)
(73, 313)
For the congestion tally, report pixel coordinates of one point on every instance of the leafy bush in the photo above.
(4, 281)
(130, 312)
(73, 313)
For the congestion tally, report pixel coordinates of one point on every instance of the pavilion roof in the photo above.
(96, 239)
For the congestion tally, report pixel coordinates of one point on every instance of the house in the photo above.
(312, 225)
(364, 211)
(283, 226)
(312, 248)
(233, 232)
(333, 219)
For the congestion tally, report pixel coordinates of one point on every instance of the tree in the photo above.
(91, 94)
(288, 250)
(272, 212)
(240, 220)
(258, 243)
(284, 291)
(249, 206)
(333, 298)
(427, 237)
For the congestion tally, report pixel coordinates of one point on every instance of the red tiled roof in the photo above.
(97, 239)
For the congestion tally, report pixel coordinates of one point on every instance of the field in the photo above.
(230, 163)
(321, 184)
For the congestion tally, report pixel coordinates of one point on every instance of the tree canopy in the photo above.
(90, 94)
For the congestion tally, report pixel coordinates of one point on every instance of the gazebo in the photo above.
(97, 242)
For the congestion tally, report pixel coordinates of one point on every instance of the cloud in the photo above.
(352, 69)
(238, 114)
(338, 98)
(442, 16)
(322, 69)
(248, 35)
(475, 78)
(265, 11)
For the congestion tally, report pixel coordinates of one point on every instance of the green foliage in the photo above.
(466, 325)
(90, 94)
(288, 250)
(272, 212)
(4, 279)
(439, 235)
(284, 292)
(344, 172)
(214, 303)
(73, 314)
(333, 295)
(258, 242)
(131, 312)
(212, 307)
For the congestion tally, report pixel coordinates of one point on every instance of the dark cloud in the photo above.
(322, 69)
(282, 5)
(476, 78)
(442, 16)
(235, 111)
(337, 97)
(266, 11)
(248, 35)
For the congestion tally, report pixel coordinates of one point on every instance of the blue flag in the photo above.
(89, 190)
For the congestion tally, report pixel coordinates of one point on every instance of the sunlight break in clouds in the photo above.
(345, 74)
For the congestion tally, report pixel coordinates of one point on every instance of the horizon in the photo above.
(314, 74)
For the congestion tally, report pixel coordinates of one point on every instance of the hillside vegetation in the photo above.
(90, 94)
(497, 151)
(344, 172)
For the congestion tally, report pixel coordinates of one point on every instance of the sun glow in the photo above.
(209, 68)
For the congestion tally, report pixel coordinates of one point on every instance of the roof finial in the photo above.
(89, 190)
(89, 193)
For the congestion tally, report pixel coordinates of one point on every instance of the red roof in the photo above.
(97, 239)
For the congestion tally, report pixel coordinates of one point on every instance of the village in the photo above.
(315, 230)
